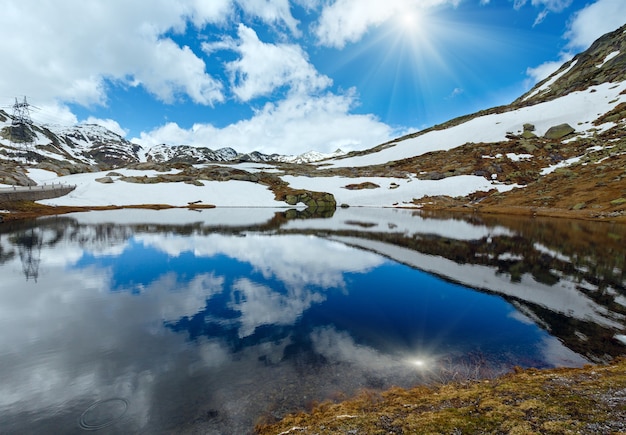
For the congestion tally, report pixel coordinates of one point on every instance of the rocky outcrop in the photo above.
(104, 180)
(361, 186)
(559, 131)
(14, 176)
(528, 131)
(65, 167)
(311, 199)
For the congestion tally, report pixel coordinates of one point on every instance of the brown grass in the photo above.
(590, 400)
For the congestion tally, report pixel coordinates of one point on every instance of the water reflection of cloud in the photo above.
(297, 261)
(57, 331)
(260, 305)
(339, 347)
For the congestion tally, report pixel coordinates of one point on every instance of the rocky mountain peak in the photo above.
(603, 62)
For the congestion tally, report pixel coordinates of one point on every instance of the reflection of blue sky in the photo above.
(396, 309)
(139, 265)
(265, 280)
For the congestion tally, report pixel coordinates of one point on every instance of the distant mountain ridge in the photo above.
(94, 145)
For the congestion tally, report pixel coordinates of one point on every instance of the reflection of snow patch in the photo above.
(621, 299)
(520, 317)
(558, 355)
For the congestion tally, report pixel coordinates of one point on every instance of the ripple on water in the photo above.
(103, 413)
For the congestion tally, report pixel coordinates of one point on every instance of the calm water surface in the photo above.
(178, 321)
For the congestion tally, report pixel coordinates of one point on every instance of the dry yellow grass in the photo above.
(589, 400)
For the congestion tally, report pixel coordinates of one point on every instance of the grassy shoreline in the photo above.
(589, 400)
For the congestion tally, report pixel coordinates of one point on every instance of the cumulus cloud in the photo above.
(53, 113)
(294, 125)
(264, 67)
(347, 21)
(271, 11)
(75, 51)
(593, 21)
(71, 51)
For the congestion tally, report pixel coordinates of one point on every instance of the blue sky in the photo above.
(284, 76)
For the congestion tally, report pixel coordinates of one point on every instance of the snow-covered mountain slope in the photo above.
(188, 154)
(310, 157)
(579, 109)
(85, 144)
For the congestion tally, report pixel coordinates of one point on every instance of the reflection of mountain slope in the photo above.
(569, 306)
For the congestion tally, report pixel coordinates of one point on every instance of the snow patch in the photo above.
(563, 164)
(517, 157)
(546, 86)
(406, 191)
(608, 57)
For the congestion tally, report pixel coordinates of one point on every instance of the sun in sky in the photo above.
(284, 76)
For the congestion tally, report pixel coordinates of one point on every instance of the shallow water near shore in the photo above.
(205, 322)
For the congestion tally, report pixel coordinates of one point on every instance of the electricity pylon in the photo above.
(20, 126)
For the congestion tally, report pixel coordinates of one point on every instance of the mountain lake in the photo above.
(140, 321)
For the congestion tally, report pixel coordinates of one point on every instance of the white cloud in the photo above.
(295, 125)
(544, 70)
(66, 51)
(203, 12)
(348, 20)
(53, 114)
(71, 51)
(595, 20)
(455, 93)
(271, 11)
(547, 6)
(263, 67)
(542, 16)
(109, 124)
